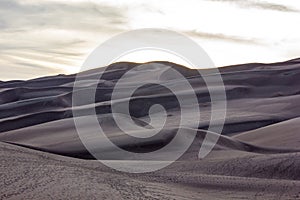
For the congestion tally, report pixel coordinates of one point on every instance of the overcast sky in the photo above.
(39, 38)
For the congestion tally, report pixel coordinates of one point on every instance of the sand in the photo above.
(256, 157)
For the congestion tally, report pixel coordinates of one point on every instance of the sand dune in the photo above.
(256, 157)
(37, 175)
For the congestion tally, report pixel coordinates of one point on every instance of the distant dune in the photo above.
(256, 157)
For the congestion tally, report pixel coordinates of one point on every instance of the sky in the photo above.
(40, 38)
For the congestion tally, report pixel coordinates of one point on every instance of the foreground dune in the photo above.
(28, 174)
(256, 157)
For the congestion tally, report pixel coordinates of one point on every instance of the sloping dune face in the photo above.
(256, 157)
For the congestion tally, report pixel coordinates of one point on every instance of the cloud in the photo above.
(44, 14)
(259, 5)
(39, 38)
(228, 38)
(56, 34)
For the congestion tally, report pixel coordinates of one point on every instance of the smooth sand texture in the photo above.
(255, 158)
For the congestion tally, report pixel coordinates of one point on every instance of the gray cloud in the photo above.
(44, 37)
(84, 16)
(259, 5)
(229, 38)
(51, 32)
